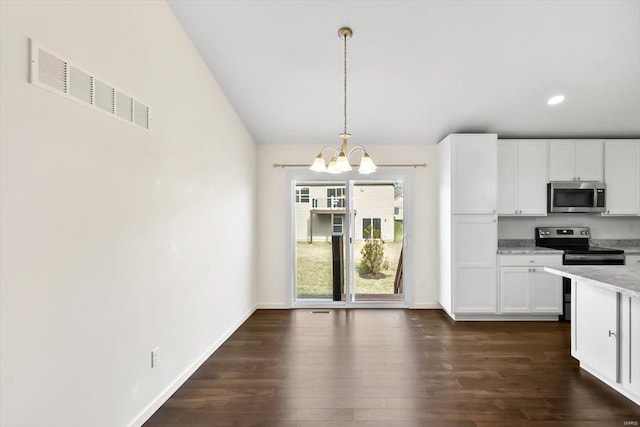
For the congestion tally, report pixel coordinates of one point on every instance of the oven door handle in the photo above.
(594, 257)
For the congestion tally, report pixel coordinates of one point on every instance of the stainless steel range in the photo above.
(574, 242)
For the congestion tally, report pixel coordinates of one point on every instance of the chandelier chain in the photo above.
(345, 83)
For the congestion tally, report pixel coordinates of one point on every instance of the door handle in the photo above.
(612, 334)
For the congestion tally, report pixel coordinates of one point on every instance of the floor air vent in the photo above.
(51, 72)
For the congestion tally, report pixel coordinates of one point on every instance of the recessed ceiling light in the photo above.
(555, 100)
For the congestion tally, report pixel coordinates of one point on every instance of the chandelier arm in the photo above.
(334, 149)
(356, 148)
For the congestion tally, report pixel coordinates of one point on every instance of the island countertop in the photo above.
(618, 278)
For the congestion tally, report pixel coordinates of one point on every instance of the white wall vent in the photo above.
(51, 72)
(105, 97)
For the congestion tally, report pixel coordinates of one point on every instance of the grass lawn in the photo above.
(313, 267)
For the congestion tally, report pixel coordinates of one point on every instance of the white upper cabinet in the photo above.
(589, 160)
(622, 176)
(475, 174)
(507, 170)
(562, 160)
(522, 177)
(576, 160)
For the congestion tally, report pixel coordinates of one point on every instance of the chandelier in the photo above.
(340, 158)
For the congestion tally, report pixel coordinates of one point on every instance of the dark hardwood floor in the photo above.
(366, 367)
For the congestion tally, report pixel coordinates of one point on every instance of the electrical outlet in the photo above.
(154, 357)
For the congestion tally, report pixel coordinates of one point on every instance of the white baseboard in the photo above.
(281, 306)
(427, 306)
(272, 306)
(184, 376)
(464, 317)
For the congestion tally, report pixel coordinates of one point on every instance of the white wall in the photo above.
(601, 227)
(113, 240)
(273, 203)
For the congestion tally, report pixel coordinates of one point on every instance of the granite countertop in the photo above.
(618, 278)
(523, 247)
(629, 246)
(527, 250)
(634, 250)
(528, 246)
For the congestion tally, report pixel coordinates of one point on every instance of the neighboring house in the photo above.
(398, 205)
(320, 211)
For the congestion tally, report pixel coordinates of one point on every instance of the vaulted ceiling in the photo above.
(419, 70)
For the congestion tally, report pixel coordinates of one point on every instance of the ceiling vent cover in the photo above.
(51, 72)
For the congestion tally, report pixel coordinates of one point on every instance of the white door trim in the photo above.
(295, 175)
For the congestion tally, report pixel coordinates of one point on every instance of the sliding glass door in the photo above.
(349, 241)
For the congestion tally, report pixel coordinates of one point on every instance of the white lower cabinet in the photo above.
(596, 329)
(525, 288)
(546, 292)
(474, 260)
(514, 290)
(632, 260)
(630, 344)
(605, 336)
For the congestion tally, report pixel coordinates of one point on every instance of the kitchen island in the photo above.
(605, 326)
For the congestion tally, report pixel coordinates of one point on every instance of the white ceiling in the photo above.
(419, 70)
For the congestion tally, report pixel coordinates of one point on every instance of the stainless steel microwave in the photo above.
(576, 196)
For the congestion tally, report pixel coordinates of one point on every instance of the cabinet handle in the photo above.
(533, 270)
(612, 334)
(532, 260)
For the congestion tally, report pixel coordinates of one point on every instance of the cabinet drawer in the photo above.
(530, 260)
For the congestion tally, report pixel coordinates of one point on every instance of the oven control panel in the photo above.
(559, 232)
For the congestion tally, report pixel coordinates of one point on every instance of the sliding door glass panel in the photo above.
(378, 230)
(320, 210)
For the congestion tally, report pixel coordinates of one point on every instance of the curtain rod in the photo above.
(389, 165)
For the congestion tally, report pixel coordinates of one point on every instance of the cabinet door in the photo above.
(532, 177)
(475, 174)
(632, 261)
(475, 240)
(507, 184)
(514, 290)
(630, 344)
(622, 176)
(596, 331)
(562, 160)
(546, 292)
(589, 160)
